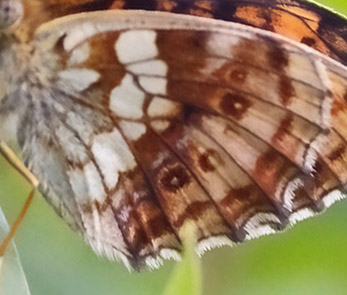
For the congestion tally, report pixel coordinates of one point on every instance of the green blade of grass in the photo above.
(12, 278)
(186, 277)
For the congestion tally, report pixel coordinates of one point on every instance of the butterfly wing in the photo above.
(302, 21)
(147, 121)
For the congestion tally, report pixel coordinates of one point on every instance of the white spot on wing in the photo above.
(300, 67)
(136, 45)
(78, 34)
(113, 156)
(133, 130)
(161, 107)
(160, 125)
(77, 80)
(79, 55)
(160, 159)
(72, 148)
(127, 100)
(79, 185)
(212, 64)
(94, 182)
(125, 213)
(81, 126)
(152, 67)
(154, 85)
(327, 102)
(222, 45)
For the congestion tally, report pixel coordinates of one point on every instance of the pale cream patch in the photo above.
(160, 159)
(94, 183)
(136, 45)
(133, 130)
(212, 64)
(79, 55)
(113, 155)
(306, 102)
(79, 33)
(162, 107)
(328, 86)
(79, 185)
(154, 85)
(81, 126)
(160, 125)
(265, 124)
(106, 237)
(124, 213)
(9, 128)
(222, 44)
(127, 99)
(151, 67)
(77, 80)
(302, 69)
(72, 147)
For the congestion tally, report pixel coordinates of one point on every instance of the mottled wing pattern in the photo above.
(152, 120)
(302, 21)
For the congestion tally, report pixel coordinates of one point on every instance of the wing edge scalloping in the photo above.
(156, 260)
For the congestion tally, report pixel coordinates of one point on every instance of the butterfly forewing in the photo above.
(143, 122)
(302, 21)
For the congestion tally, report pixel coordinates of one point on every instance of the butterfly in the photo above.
(138, 118)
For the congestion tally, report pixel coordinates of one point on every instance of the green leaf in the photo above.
(186, 277)
(12, 278)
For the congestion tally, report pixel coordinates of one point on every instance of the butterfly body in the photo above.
(138, 122)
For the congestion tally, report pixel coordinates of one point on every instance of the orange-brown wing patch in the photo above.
(301, 21)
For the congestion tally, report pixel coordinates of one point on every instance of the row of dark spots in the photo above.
(338, 153)
(235, 105)
(279, 60)
(175, 179)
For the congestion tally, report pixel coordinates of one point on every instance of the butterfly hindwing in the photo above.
(153, 120)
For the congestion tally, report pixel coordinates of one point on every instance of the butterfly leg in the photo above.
(10, 156)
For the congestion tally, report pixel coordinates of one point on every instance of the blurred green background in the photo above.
(310, 258)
